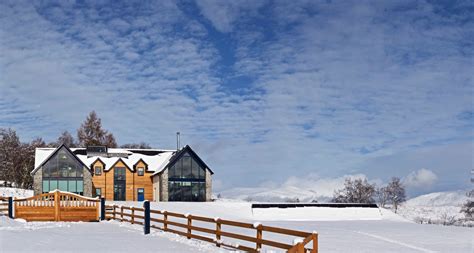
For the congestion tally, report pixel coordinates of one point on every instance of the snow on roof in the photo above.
(156, 163)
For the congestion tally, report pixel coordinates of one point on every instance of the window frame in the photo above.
(140, 171)
(97, 168)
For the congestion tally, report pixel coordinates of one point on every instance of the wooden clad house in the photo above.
(123, 174)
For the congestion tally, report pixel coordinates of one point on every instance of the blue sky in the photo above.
(264, 90)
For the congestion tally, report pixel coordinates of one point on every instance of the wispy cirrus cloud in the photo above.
(264, 90)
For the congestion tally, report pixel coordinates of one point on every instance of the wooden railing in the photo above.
(3, 205)
(57, 206)
(137, 215)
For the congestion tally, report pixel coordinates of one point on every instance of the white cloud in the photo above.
(422, 178)
(308, 188)
(223, 14)
(330, 84)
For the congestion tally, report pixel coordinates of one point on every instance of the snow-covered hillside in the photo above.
(438, 208)
(451, 198)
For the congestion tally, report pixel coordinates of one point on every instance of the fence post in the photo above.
(146, 220)
(259, 237)
(57, 203)
(189, 226)
(165, 221)
(10, 207)
(218, 232)
(132, 219)
(102, 208)
(121, 213)
(114, 211)
(315, 243)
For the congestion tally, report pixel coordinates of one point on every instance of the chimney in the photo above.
(178, 144)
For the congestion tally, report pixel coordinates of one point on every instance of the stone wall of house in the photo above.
(38, 182)
(164, 185)
(87, 182)
(208, 185)
(156, 188)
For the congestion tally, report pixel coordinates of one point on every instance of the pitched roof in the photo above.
(45, 156)
(155, 159)
(178, 155)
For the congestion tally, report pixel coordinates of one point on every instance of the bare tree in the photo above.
(357, 191)
(16, 158)
(396, 192)
(382, 196)
(10, 151)
(67, 139)
(141, 145)
(109, 141)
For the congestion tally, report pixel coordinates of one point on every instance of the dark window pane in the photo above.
(202, 192)
(186, 167)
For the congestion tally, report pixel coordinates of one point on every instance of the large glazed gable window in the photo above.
(186, 180)
(62, 171)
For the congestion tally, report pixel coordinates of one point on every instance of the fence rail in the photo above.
(137, 215)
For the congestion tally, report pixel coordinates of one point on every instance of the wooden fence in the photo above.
(137, 215)
(57, 206)
(4, 206)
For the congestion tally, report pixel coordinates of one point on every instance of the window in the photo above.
(186, 180)
(98, 170)
(141, 171)
(63, 172)
(98, 192)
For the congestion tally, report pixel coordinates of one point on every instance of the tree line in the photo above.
(17, 158)
(361, 191)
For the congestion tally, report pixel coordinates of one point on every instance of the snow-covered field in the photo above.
(109, 236)
(340, 230)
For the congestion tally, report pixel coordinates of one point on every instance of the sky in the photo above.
(263, 90)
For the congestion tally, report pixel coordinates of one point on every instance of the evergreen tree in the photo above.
(91, 133)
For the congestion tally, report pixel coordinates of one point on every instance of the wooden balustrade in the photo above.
(217, 233)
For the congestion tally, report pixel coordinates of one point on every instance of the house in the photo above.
(123, 174)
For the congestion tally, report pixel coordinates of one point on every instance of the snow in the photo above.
(107, 236)
(340, 229)
(15, 192)
(452, 198)
(387, 232)
(437, 208)
(156, 163)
